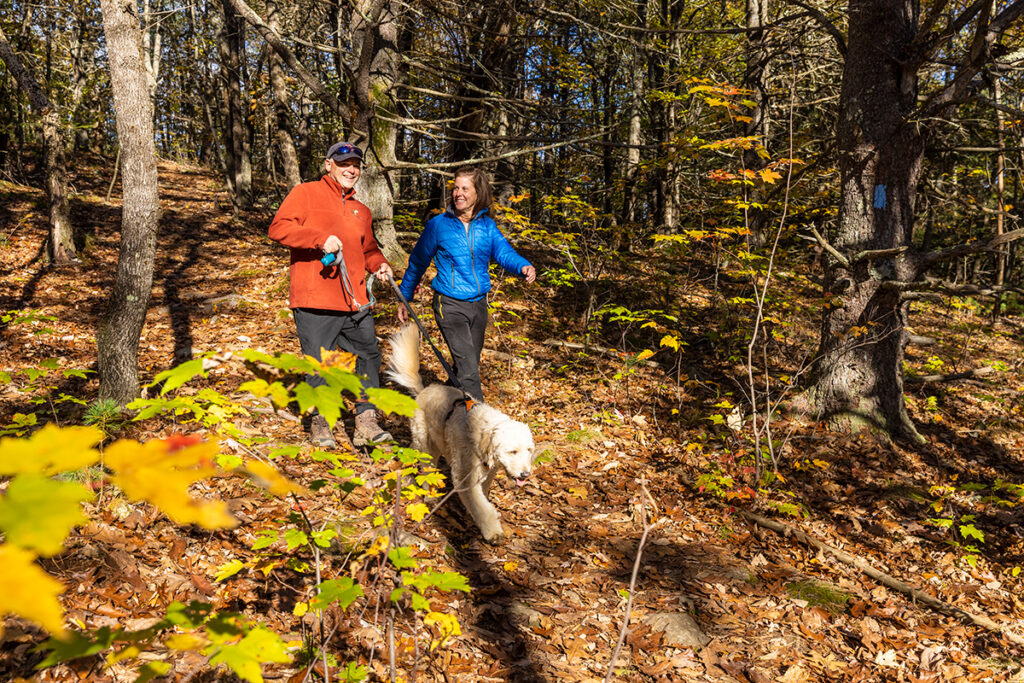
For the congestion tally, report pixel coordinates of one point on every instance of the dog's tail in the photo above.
(404, 365)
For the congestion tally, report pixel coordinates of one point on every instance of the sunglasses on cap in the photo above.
(344, 150)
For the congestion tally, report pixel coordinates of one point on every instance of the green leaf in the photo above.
(178, 375)
(152, 670)
(353, 673)
(244, 658)
(294, 538)
(329, 402)
(971, 531)
(343, 591)
(75, 645)
(391, 401)
(188, 616)
(323, 538)
(39, 513)
(267, 538)
(402, 558)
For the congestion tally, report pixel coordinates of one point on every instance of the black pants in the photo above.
(352, 332)
(463, 324)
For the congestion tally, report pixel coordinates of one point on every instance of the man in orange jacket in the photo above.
(331, 305)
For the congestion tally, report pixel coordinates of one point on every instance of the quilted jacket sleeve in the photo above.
(505, 255)
(421, 256)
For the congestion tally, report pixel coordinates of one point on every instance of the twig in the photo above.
(885, 579)
(827, 246)
(632, 580)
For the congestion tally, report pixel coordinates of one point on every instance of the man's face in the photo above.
(346, 172)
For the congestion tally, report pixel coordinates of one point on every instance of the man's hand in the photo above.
(385, 272)
(530, 273)
(332, 245)
(403, 314)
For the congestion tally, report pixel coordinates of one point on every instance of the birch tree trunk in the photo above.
(118, 337)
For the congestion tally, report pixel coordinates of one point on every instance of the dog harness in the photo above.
(464, 400)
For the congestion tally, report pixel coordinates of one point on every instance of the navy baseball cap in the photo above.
(340, 151)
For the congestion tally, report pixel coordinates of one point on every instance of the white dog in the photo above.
(473, 442)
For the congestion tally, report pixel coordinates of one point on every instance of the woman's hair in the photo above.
(482, 185)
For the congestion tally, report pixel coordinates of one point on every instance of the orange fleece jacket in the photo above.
(311, 213)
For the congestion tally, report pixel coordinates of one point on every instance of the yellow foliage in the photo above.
(50, 450)
(161, 472)
(338, 359)
(447, 624)
(28, 590)
(417, 511)
(270, 479)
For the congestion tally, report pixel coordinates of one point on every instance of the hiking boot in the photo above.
(367, 431)
(320, 433)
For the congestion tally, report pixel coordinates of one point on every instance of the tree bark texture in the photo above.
(236, 140)
(118, 338)
(62, 243)
(282, 107)
(859, 382)
(376, 29)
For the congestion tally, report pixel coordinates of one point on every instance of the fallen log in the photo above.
(969, 374)
(885, 579)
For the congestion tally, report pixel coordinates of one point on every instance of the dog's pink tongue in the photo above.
(520, 482)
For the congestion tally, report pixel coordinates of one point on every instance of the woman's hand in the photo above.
(530, 273)
(403, 314)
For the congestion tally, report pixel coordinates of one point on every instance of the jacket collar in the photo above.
(336, 187)
(448, 212)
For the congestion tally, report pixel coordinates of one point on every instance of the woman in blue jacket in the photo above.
(462, 242)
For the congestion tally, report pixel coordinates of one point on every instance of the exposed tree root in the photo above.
(885, 579)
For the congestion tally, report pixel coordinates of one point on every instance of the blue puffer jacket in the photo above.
(462, 256)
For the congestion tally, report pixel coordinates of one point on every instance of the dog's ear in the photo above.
(489, 444)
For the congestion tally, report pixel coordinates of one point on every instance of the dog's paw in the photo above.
(495, 537)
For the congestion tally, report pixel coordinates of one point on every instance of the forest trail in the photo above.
(547, 605)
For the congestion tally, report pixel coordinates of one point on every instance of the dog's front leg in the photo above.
(472, 486)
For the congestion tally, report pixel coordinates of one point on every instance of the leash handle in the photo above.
(444, 363)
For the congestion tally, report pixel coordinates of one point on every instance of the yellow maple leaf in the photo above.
(511, 566)
(161, 472)
(50, 450)
(269, 478)
(29, 591)
(670, 341)
(338, 359)
(769, 176)
(417, 511)
(644, 355)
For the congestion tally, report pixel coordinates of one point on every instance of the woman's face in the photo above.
(345, 172)
(464, 196)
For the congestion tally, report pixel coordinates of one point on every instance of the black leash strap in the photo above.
(444, 363)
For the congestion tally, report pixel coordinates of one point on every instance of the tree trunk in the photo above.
(755, 80)
(232, 47)
(62, 243)
(859, 381)
(282, 126)
(375, 34)
(118, 338)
